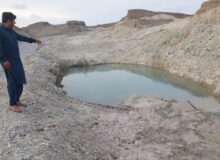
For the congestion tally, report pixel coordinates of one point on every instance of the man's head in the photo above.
(8, 19)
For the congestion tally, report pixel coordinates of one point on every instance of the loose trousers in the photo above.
(14, 89)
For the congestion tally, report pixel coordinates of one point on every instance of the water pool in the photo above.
(112, 83)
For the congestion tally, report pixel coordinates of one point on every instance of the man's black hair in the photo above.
(8, 16)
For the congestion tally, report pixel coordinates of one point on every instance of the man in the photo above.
(11, 61)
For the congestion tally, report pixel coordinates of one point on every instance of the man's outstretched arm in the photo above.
(26, 39)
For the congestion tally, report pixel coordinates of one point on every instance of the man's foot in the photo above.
(21, 104)
(15, 108)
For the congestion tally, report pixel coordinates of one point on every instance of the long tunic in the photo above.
(9, 50)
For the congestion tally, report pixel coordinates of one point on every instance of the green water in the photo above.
(113, 83)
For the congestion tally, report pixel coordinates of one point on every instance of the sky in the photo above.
(93, 12)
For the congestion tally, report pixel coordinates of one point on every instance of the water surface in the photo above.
(113, 83)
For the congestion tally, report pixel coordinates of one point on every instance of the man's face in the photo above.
(11, 23)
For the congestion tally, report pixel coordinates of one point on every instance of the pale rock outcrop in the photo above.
(144, 18)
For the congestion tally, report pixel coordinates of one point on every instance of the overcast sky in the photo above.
(91, 11)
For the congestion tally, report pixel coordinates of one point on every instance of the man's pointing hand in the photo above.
(38, 41)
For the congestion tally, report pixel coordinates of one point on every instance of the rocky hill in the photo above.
(134, 18)
(140, 13)
(210, 4)
(44, 29)
(145, 18)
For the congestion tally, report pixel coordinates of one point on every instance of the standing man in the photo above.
(11, 61)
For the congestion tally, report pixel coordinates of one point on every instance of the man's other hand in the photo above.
(38, 41)
(7, 65)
